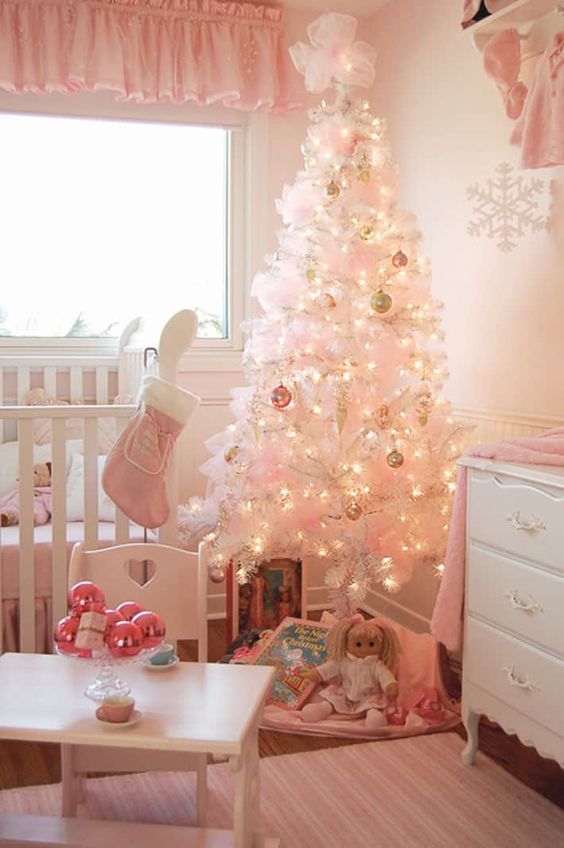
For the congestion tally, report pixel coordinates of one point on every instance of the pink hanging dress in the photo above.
(540, 130)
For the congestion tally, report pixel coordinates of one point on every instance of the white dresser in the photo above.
(513, 662)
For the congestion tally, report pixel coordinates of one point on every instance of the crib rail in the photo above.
(23, 418)
(80, 380)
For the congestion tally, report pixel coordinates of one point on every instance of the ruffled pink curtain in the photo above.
(147, 50)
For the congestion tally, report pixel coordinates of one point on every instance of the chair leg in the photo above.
(72, 782)
(202, 790)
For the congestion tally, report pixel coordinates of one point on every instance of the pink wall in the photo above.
(503, 312)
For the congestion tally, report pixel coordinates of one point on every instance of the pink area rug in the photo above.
(409, 793)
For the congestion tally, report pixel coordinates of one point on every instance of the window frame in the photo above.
(246, 205)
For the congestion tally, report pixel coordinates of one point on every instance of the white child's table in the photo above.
(193, 709)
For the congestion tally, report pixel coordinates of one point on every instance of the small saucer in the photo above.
(164, 666)
(134, 718)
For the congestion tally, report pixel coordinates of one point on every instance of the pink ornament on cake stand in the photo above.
(108, 640)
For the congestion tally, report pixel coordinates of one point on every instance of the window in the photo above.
(103, 220)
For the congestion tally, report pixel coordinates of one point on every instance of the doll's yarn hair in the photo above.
(337, 639)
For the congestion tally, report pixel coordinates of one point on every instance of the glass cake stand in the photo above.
(107, 682)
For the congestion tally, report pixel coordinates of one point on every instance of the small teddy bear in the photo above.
(10, 503)
(362, 655)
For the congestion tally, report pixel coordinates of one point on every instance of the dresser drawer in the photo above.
(518, 597)
(518, 674)
(518, 517)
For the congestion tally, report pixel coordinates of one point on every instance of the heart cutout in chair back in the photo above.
(140, 571)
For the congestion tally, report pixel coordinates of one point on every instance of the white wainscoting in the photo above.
(411, 606)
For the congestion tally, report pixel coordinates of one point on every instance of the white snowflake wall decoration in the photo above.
(506, 208)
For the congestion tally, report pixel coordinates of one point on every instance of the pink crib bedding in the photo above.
(9, 553)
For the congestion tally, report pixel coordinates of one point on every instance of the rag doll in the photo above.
(10, 503)
(361, 654)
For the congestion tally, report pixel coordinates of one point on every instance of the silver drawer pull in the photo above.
(532, 526)
(515, 680)
(531, 605)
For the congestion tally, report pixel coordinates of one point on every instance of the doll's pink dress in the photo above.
(362, 685)
(540, 130)
(42, 508)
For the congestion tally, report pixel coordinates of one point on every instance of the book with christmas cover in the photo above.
(294, 647)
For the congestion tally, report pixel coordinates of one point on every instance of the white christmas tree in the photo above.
(342, 448)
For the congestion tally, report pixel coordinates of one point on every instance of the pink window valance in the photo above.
(147, 50)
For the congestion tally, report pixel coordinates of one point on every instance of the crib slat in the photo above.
(23, 381)
(91, 483)
(26, 559)
(50, 380)
(122, 522)
(59, 520)
(76, 390)
(2, 436)
(102, 384)
(122, 528)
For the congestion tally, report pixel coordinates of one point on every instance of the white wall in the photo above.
(503, 312)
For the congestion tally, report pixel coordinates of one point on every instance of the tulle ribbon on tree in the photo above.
(335, 55)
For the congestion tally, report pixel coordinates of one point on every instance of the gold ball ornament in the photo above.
(353, 511)
(423, 419)
(394, 459)
(366, 232)
(231, 453)
(399, 259)
(280, 397)
(363, 175)
(333, 189)
(311, 274)
(381, 301)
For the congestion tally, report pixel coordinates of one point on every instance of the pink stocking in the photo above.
(134, 475)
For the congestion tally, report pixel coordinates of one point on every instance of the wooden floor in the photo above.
(25, 764)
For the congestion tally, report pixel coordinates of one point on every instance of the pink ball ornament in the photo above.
(125, 639)
(86, 597)
(65, 633)
(128, 609)
(280, 397)
(152, 626)
(112, 618)
(217, 574)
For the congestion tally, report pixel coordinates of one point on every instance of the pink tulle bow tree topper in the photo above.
(343, 448)
(334, 55)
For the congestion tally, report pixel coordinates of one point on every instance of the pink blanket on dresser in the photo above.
(545, 449)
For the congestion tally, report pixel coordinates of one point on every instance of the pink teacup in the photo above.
(117, 708)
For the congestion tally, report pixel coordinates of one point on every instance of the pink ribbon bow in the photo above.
(335, 55)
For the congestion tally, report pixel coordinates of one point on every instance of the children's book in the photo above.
(294, 648)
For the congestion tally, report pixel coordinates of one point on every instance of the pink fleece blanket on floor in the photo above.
(545, 449)
(423, 705)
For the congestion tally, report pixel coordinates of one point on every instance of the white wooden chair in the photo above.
(176, 591)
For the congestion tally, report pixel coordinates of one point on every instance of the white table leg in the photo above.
(72, 782)
(246, 804)
(202, 790)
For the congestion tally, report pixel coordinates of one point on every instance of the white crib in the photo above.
(34, 560)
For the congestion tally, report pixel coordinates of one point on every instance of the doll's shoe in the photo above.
(375, 719)
(316, 712)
